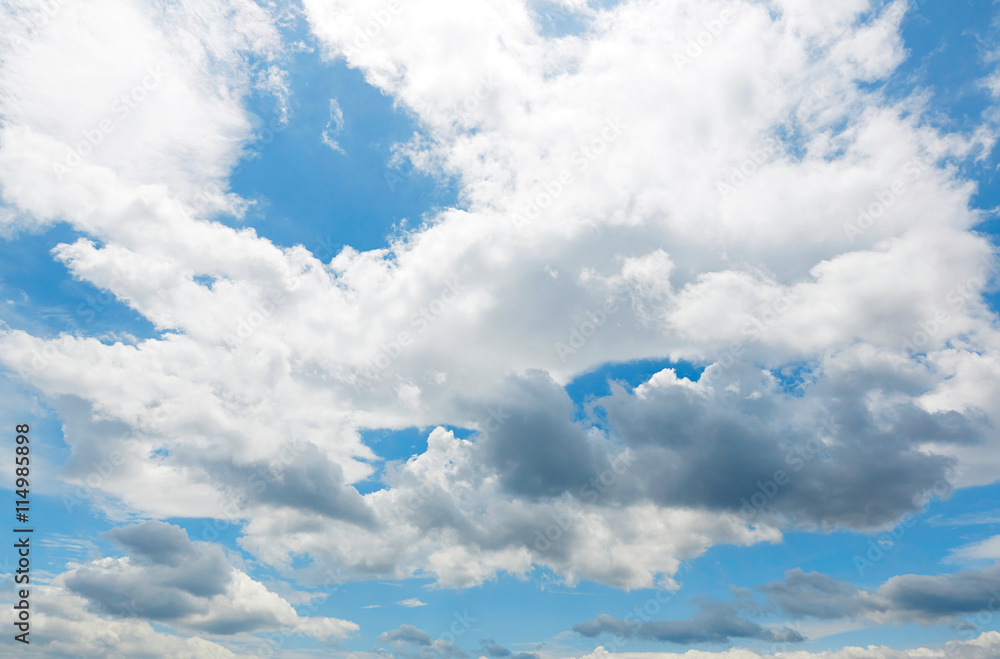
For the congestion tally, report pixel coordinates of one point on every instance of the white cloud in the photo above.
(334, 126)
(569, 160)
(64, 627)
(80, 115)
(190, 586)
(411, 602)
(984, 550)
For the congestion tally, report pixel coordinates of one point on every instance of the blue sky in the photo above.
(285, 320)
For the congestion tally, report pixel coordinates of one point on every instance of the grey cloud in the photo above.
(405, 634)
(243, 622)
(410, 641)
(315, 483)
(154, 541)
(201, 593)
(816, 595)
(491, 648)
(605, 624)
(715, 622)
(722, 451)
(709, 448)
(164, 583)
(301, 477)
(944, 595)
(127, 595)
(444, 649)
(537, 448)
(909, 597)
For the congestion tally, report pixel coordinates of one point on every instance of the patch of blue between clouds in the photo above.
(397, 446)
(554, 20)
(400, 445)
(507, 608)
(360, 206)
(306, 192)
(918, 545)
(42, 297)
(596, 383)
(949, 60)
(919, 548)
(795, 378)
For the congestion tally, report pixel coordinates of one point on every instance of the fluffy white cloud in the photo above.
(165, 578)
(703, 181)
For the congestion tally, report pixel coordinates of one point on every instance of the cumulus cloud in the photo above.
(903, 598)
(409, 641)
(65, 627)
(567, 251)
(167, 578)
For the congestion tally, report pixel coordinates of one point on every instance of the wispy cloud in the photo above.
(983, 550)
(334, 126)
(411, 602)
